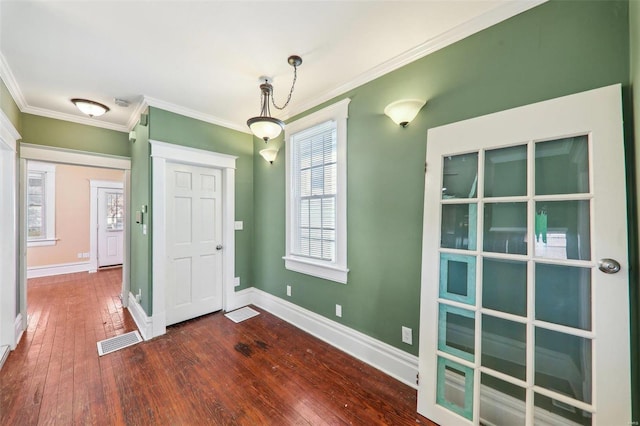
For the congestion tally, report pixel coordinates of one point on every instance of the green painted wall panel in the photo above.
(177, 129)
(65, 134)
(141, 195)
(556, 49)
(9, 107)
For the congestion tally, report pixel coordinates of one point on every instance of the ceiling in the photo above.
(203, 58)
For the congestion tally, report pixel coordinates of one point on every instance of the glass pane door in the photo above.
(515, 265)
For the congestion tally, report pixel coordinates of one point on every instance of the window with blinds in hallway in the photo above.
(316, 194)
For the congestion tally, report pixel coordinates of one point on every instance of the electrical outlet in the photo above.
(79, 255)
(407, 336)
(288, 290)
(339, 310)
(238, 225)
(86, 255)
(236, 281)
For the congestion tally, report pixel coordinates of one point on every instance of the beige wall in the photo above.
(73, 195)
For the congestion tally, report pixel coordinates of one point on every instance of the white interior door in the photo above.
(110, 226)
(518, 325)
(194, 242)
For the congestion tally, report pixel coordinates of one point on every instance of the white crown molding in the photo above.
(492, 17)
(12, 85)
(168, 106)
(43, 112)
(137, 112)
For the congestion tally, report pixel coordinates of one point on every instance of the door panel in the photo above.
(518, 324)
(111, 218)
(194, 231)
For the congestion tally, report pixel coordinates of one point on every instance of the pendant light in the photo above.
(265, 126)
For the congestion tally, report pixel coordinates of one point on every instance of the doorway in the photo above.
(108, 220)
(50, 155)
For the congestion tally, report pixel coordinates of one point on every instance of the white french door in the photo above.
(194, 241)
(519, 325)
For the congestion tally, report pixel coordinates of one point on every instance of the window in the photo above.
(41, 220)
(316, 194)
(115, 211)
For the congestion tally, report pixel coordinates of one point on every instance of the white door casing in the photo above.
(162, 154)
(10, 331)
(598, 115)
(194, 242)
(110, 239)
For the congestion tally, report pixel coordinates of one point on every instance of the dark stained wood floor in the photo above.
(210, 370)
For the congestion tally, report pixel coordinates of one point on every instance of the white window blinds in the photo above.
(315, 190)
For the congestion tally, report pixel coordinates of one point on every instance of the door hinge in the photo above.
(417, 378)
(425, 167)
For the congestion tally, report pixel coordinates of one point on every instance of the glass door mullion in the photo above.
(531, 237)
(480, 248)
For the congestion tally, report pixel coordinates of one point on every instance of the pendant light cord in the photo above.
(293, 84)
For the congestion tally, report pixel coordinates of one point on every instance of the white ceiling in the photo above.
(204, 58)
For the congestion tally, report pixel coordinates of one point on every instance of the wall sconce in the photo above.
(402, 112)
(269, 154)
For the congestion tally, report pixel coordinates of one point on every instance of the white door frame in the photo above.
(11, 323)
(161, 153)
(80, 158)
(93, 222)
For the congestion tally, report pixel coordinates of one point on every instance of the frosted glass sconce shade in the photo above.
(269, 154)
(402, 112)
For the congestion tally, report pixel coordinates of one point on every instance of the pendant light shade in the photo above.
(91, 108)
(265, 126)
(402, 112)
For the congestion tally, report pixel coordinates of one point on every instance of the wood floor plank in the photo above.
(208, 370)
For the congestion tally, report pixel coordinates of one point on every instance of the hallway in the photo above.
(208, 370)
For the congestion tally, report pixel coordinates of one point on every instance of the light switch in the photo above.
(239, 225)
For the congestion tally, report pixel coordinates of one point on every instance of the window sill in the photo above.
(42, 243)
(325, 271)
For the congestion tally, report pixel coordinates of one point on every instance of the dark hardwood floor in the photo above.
(210, 370)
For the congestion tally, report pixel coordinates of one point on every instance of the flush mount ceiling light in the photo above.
(265, 126)
(91, 108)
(402, 112)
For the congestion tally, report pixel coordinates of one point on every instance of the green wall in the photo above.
(65, 134)
(140, 268)
(173, 128)
(556, 49)
(9, 107)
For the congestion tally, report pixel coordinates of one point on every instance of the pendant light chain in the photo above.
(293, 84)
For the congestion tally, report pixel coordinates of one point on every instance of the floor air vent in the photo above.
(242, 314)
(119, 342)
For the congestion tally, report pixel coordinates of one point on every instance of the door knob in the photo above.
(608, 266)
(219, 247)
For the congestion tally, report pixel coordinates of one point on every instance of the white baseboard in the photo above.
(390, 360)
(149, 327)
(240, 299)
(4, 354)
(63, 268)
(19, 329)
(144, 323)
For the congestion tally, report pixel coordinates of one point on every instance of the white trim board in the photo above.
(57, 269)
(19, 325)
(144, 323)
(386, 358)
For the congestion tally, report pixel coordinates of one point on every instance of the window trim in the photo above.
(49, 171)
(337, 270)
